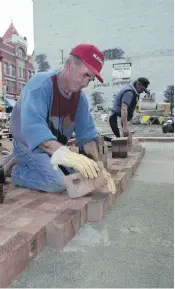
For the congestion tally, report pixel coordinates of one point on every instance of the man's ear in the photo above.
(68, 64)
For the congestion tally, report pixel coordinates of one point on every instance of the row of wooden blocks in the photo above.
(32, 219)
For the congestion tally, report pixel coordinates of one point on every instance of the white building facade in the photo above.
(142, 29)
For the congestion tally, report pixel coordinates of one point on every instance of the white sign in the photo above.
(121, 71)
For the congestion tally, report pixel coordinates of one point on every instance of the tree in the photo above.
(169, 96)
(115, 53)
(42, 62)
(97, 98)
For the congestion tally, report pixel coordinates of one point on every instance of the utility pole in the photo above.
(62, 58)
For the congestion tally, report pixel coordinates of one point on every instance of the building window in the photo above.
(12, 70)
(6, 68)
(7, 85)
(10, 86)
(21, 86)
(21, 53)
(21, 72)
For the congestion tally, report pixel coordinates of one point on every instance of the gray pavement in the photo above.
(132, 247)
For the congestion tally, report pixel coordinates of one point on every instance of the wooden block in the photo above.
(105, 148)
(97, 207)
(119, 147)
(120, 141)
(129, 169)
(115, 155)
(123, 154)
(101, 145)
(123, 148)
(104, 160)
(81, 205)
(111, 199)
(78, 186)
(14, 255)
(130, 139)
(101, 140)
(115, 148)
(120, 181)
(100, 150)
(63, 228)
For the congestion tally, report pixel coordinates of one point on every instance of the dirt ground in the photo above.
(140, 130)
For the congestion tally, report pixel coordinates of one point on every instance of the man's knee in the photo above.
(25, 177)
(55, 186)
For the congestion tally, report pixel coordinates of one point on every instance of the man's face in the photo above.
(79, 76)
(139, 87)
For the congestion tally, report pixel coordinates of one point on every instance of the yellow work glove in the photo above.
(65, 157)
(107, 176)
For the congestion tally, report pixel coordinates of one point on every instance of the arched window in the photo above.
(21, 53)
(12, 70)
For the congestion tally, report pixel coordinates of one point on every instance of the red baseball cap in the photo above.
(91, 56)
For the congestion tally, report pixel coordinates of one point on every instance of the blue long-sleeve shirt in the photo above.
(29, 116)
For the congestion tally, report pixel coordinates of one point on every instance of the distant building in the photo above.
(16, 67)
(142, 29)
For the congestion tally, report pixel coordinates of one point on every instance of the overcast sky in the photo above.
(21, 13)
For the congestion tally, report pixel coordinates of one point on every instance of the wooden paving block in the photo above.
(14, 255)
(97, 207)
(120, 181)
(62, 228)
(101, 141)
(81, 205)
(112, 198)
(119, 147)
(130, 140)
(78, 186)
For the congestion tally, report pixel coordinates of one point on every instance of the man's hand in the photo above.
(125, 131)
(109, 181)
(63, 156)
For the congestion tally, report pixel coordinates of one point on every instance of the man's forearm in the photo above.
(91, 150)
(50, 146)
(124, 117)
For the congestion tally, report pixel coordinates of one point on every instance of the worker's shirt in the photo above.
(127, 95)
(29, 116)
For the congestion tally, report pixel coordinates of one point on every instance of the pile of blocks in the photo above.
(29, 220)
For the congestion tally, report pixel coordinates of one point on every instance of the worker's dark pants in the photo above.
(113, 121)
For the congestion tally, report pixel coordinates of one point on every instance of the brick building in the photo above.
(142, 29)
(15, 65)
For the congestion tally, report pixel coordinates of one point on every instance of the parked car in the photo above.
(168, 125)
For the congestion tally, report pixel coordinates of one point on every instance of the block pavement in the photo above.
(29, 220)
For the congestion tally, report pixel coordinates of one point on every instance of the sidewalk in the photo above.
(131, 247)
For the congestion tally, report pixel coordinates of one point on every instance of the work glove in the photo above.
(65, 157)
(107, 176)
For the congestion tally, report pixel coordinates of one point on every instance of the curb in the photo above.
(154, 139)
